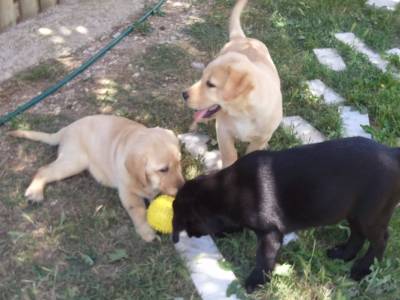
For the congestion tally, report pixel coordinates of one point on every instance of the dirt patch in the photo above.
(60, 31)
(119, 64)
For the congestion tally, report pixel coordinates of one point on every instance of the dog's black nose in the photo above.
(185, 95)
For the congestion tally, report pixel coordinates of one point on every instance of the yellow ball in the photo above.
(160, 212)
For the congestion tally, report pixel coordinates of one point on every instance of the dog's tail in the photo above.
(235, 29)
(48, 138)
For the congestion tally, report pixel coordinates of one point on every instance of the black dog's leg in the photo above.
(349, 250)
(268, 247)
(378, 239)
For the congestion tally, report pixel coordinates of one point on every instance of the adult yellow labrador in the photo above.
(139, 161)
(241, 89)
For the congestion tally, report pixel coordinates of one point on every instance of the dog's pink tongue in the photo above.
(198, 115)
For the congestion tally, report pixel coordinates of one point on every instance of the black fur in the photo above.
(274, 193)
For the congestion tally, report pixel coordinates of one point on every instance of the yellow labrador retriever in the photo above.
(140, 162)
(241, 89)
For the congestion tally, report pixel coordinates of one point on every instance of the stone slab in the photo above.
(197, 65)
(203, 259)
(290, 237)
(330, 58)
(212, 161)
(394, 51)
(387, 4)
(195, 143)
(303, 130)
(351, 40)
(320, 89)
(352, 121)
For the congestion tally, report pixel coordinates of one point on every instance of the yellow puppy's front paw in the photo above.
(34, 194)
(146, 233)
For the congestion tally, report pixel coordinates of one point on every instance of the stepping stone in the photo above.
(303, 130)
(197, 65)
(290, 237)
(212, 161)
(330, 58)
(388, 4)
(319, 89)
(203, 259)
(394, 51)
(351, 40)
(195, 143)
(352, 121)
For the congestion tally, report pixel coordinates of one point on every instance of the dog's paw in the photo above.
(146, 233)
(336, 252)
(34, 195)
(341, 252)
(256, 278)
(359, 271)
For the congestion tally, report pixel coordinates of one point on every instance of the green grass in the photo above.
(394, 60)
(50, 70)
(144, 29)
(312, 24)
(368, 89)
(168, 64)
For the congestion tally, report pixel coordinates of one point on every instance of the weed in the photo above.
(44, 71)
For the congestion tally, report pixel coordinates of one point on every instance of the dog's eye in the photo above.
(210, 84)
(164, 170)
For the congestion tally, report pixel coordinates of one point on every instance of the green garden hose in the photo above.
(35, 100)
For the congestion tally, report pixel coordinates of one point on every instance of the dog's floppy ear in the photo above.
(136, 167)
(238, 83)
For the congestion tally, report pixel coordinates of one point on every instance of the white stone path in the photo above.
(388, 4)
(203, 258)
(359, 46)
(394, 51)
(330, 58)
(354, 42)
(302, 130)
(352, 122)
(320, 89)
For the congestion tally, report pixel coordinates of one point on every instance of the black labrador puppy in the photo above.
(274, 193)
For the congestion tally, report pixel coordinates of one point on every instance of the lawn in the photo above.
(80, 243)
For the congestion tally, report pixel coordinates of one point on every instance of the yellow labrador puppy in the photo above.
(241, 89)
(140, 162)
